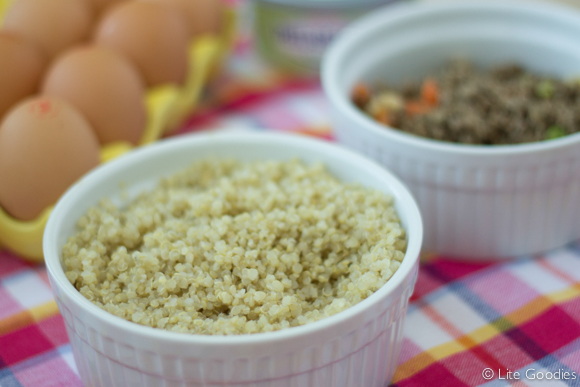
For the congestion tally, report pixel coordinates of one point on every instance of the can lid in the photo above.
(329, 4)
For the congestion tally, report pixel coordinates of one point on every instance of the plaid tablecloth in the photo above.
(495, 324)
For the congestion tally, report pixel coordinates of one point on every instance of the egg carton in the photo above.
(167, 106)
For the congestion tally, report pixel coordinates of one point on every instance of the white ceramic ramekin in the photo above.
(357, 347)
(476, 201)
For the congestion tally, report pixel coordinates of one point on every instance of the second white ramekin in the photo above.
(476, 201)
(357, 347)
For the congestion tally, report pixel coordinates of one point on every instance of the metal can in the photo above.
(292, 35)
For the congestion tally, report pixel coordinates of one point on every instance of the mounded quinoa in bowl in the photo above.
(227, 247)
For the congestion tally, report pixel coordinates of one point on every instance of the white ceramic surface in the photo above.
(357, 347)
(476, 201)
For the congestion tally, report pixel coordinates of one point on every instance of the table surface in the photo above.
(469, 324)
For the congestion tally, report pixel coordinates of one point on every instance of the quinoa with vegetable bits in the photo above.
(227, 247)
(503, 105)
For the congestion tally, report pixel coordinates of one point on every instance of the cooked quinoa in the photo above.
(226, 247)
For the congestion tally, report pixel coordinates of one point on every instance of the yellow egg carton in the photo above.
(167, 106)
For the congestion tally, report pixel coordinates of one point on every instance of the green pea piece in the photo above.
(555, 131)
(545, 89)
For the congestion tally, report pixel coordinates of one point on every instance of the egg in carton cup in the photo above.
(167, 106)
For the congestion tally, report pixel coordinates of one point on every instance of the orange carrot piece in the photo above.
(430, 92)
(360, 95)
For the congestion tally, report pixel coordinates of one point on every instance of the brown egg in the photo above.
(202, 16)
(45, 146)
(152, 35)
(21, 67)
(52, 25)
(105, 87)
